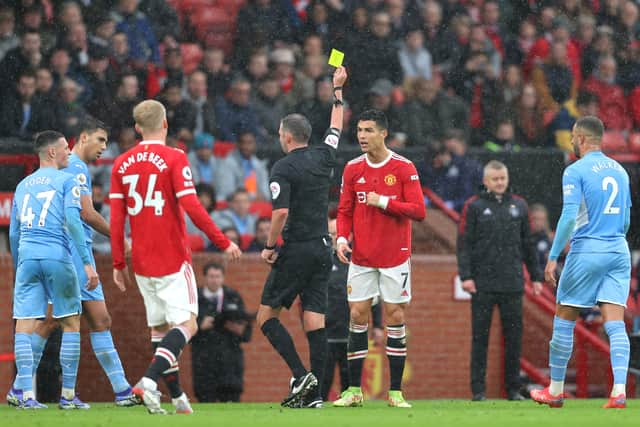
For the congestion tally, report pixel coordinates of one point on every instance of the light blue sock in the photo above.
(619, 348)
(106, 353)
(37, 346)
(70, 358)
(560, 347)
(24, 362)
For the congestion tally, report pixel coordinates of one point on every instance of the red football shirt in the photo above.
(153, 185)
(381, 237)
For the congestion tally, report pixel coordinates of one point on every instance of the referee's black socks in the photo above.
(282, 342)
(318, 348)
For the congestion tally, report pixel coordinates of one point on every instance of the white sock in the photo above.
(28, 395)
(618, 389)
(148, 383)
(68, 393)
(556, 388)
(182, 397)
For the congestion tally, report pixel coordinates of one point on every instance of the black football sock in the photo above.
(282, 342)
(397, 354)
(166, 353)
(357, 349)
(318, 348)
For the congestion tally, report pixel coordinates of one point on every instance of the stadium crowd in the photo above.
(496, 74)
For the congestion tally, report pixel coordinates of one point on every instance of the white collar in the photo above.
(153, 141)
(381, 164)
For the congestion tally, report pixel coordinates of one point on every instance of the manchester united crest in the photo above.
(390, 179)
(348, 289)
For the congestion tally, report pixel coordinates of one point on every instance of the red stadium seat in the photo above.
(245, 241)
(260, 208)
(223, 148)
(191, 56)
(196, 242)
(212, 19)
(614, 142)
(634, 143)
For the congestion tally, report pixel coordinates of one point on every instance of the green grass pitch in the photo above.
(437, 413)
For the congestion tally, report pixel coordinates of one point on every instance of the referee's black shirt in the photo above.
(300, 181)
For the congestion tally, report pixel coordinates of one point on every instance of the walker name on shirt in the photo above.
(605, 165)
(143, 156)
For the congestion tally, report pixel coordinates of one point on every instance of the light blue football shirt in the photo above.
(38, 211)
(600, 187)
(80, 170)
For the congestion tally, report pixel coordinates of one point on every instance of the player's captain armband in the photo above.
(415, 178)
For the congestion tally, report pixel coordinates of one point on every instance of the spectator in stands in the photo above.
(628, 28)
(379, 97)
(237, 214)
(205, 167)
(559, 130)
(318, 109)
(104, 28)
(23, 114)
(143, 44)
(609, 13)
(453, 178)
(270, 107)
(401, 21)
(61, 68)
(242, 169)
(263, 227)
(431, 112)
(583, 37)
(511, 87)
(492, 25)
(474, 79)
(8, 38)
(181, 114)
(629, 67)
(172, 68)
(517, 48)
(163, 18)
(304, 85)
(528, 118)
(542, 49)
(207, 197)
(223, 325)
(283, 63)
(120, 59)
(118, 113)
(235, 113)
(553, 79)
(612, 108)
(415, 59)
(438, 40)
(375, 58)
(69, 110)
(18, 59)
(541, 233)
(357, 31)
(69, 14)
(205, 112)
(44, 85)
(322, 20)
(34, 19)
(602, 46)
(217, 71)
(257, 68)
(504, 137)
(99, 79)
(262, 23)
(76, 41)
(232, 234)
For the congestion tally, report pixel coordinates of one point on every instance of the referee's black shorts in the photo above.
(302, 268)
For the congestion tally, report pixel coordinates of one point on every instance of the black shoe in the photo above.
(479, 397)
(299, 389)
(515, 395)
(312, 399)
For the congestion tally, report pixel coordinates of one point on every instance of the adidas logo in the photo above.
(404, 293)
(361, 180)
(487, 211)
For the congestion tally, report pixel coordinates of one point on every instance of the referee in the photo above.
(299, 187)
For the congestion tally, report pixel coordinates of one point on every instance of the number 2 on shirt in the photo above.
(152, 198)
(608, 209)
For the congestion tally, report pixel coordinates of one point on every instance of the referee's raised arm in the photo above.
(337, 112)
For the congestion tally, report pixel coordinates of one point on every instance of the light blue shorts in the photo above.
(591, 278)
(43, 280)
(85, 294)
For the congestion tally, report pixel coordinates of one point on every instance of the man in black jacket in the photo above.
(494, 240)
(223, 324)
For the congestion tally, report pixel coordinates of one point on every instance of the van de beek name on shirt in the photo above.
(144, 156)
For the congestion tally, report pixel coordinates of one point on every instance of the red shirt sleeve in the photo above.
(346, 206)
(117, 217)
(412, 203)
(184, 188)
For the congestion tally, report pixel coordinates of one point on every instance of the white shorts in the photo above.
(169, 299)
(392, 284)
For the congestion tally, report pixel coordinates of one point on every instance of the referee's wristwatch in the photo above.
(269, 248)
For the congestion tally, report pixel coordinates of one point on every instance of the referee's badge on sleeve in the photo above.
(332, 140)
(275, 190)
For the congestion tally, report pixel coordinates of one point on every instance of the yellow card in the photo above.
(336, 57)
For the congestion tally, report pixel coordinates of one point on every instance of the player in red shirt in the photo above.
(380, 195)
(152, 184)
